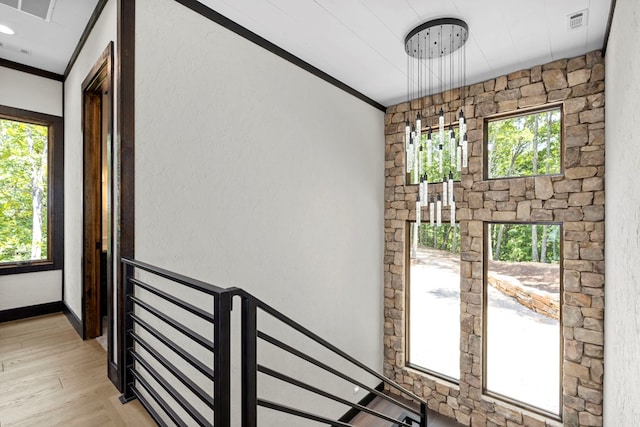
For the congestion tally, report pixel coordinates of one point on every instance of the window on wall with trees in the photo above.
(524, 145)
(522, 315)
(433, 281)
(25, 188)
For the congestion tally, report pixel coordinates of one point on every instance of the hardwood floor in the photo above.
(50, 377)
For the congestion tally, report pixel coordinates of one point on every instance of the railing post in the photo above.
(127, 342)
(423, 414)
(249, 362)
(222, 360)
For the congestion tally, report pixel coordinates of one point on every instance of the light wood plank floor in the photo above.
(50, 377)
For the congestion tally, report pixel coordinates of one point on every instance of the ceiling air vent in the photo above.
(577, 20)
(40, 8)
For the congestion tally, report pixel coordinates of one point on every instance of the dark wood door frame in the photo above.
(97, 114)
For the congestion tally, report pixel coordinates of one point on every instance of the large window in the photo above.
(522, 312)
(434, 300)
(26, 194)
(524, 145)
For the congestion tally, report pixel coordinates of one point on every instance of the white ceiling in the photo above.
(359, 42)
(50, 44)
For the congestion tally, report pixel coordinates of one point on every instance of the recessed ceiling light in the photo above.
(6, 30)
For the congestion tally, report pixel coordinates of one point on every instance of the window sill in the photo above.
(26, 267)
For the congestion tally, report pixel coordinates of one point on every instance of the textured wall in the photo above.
(251, 172)
(30, 92)
(33, 93)
(622, 346)
(574, 198)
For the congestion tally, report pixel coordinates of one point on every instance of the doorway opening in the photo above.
(98, 242)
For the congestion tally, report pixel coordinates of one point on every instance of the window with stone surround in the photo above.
(528, 144)
(522, 349)
(433, 279)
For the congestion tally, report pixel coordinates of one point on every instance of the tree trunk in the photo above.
(543, 250)
(534, 229)
(37, 196)
(489, 247)
(445, 239)
(496, 255)
(545, 228)
(435, 237)
(454, 242)
(548, 159)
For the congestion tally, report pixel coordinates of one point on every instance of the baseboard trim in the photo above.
(351, 413)
(73, 319)
(30, 311)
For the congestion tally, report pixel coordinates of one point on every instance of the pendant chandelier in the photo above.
(436, 62)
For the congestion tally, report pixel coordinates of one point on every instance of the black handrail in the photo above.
(188, 382)
(204, 369)
(188, 332)
(138, 369)
(316, 390)
(175, 277)
(177, 301)
(298, 327)
(329, 369)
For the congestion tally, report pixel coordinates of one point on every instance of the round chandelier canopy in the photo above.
(436, 38)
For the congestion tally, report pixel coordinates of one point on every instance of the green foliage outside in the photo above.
(525, 145)
(445, 237)
(23, 191)
(515, 243)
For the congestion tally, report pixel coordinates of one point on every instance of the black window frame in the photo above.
(55, 191)
(515, 114)
(485, 310)
(407, 304)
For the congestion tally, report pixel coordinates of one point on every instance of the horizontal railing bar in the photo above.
(305, 386)
(176, 301)
(329, 369)
(193, 413)
(301, 414)
(195, 389)
(174, 324)
(145, 403)
(179, 278)
(288, 321)
(204, 369)
(161, 402)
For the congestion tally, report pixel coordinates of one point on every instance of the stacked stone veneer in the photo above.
(574, 198)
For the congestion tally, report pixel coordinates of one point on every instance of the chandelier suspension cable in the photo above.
(430, 42)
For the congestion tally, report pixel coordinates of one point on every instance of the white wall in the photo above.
(30, 92)
(251, 172)
(33, 93)
(103, 33)
(622, 310)
(23, 290)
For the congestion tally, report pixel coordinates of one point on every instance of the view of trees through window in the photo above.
(524, 145)
(434, 304)
(23, 191)
(522, 335)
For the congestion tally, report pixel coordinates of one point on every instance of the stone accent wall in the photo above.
(575, 198)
